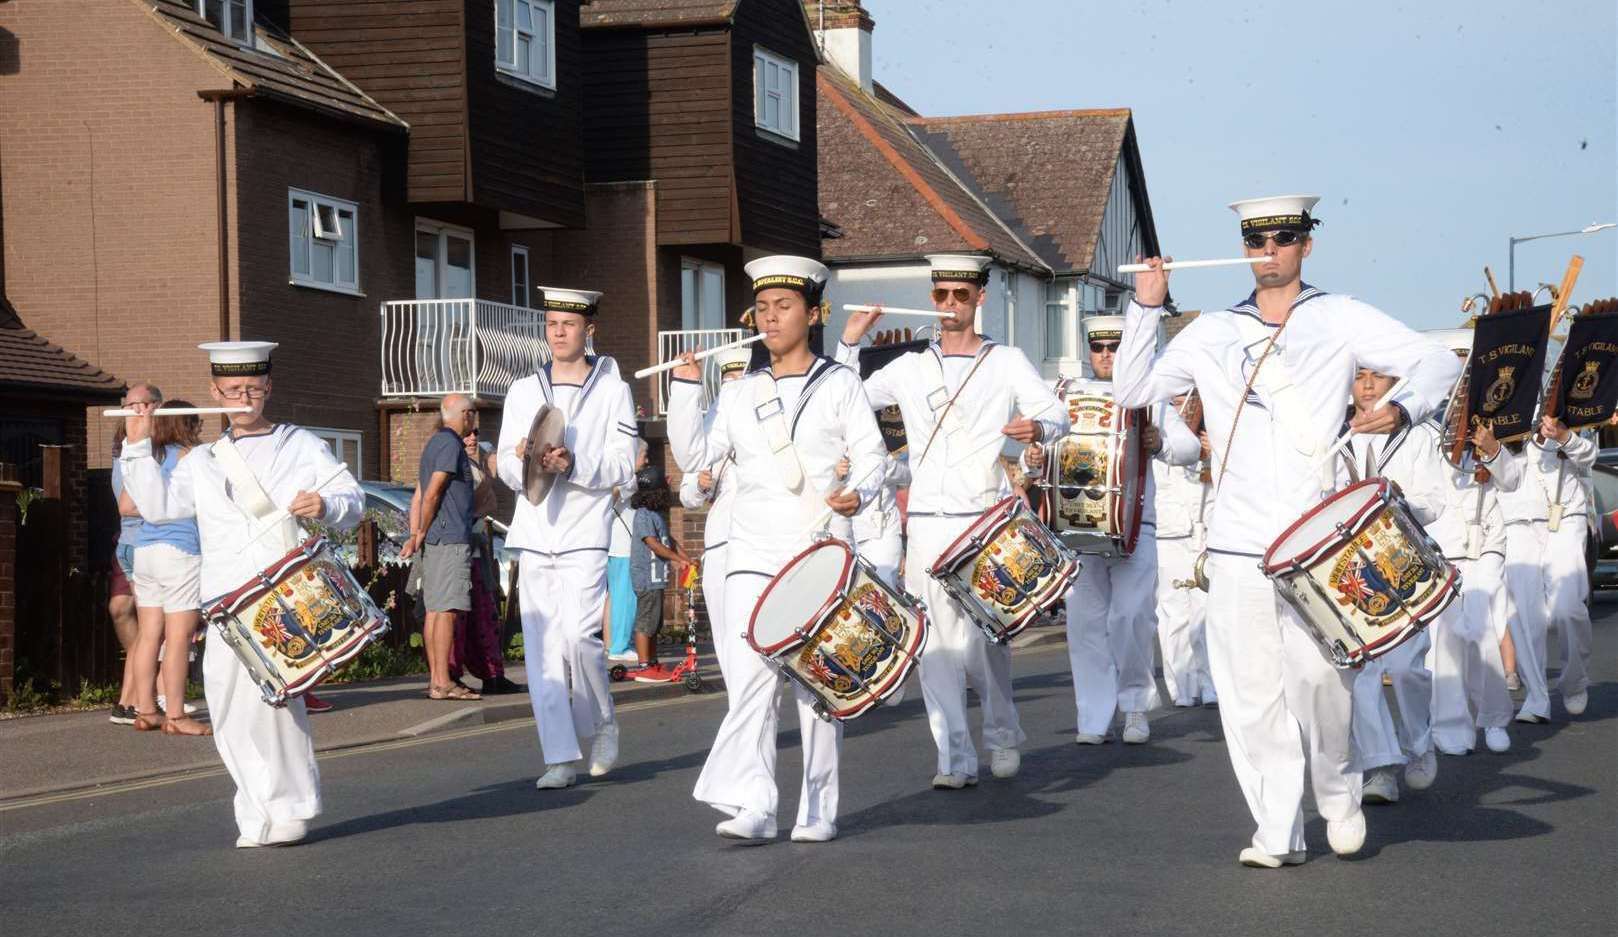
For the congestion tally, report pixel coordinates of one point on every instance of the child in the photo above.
(650, 553)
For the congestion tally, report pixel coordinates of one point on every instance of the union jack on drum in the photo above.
(1005, 569)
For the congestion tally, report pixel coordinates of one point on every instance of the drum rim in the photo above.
(794, 640)
(1126, 431)
(306, 551)
(1274, 565)
(946, 560)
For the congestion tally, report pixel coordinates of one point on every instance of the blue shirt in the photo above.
(646, 570)
(128, 527)
(181, 535)
(445, 452)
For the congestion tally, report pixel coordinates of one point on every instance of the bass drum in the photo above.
(1095, 476)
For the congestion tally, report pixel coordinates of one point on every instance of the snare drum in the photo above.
(859, 639)
(1095, 476)
(1005, 569)
(297, 621)
(1361, 572)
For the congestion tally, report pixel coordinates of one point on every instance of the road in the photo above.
(446, 835)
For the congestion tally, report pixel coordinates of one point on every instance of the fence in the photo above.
(671, 345)
(468, 346)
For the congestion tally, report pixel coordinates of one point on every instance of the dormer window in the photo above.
(775, 93)
(234, 18)
(525, 40)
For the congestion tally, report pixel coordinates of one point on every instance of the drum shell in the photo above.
(1110, 441)
(998, 549)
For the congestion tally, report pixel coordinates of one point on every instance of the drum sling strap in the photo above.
(249, 496)
(771, 416)
(946, 410)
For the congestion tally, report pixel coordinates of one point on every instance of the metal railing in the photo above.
(671, 345)
(432, 347)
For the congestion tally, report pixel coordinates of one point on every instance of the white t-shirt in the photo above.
(623, 518)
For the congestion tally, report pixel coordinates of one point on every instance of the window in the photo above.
(324, 238)
(702, 295)
(234, 18)
(775, 93)
(521, 294)
(525, 40)
(444, 261)
(346, 445)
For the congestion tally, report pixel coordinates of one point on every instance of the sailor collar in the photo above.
(1249, 306)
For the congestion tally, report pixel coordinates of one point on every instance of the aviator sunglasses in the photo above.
(962, 294)
(1099, 347)
(1281, 238)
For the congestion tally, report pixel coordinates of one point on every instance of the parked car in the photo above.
(388, 505)
(1603, 541)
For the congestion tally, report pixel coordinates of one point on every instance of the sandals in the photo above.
(454, 691)
(186, 726)
(149, 722)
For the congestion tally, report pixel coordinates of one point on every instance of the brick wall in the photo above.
(8, 590)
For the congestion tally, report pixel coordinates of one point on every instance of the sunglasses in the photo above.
(1099, 347)
(1281, 238)
(962, 294)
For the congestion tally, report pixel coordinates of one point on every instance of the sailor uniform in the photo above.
(1273, 679)
(561, 546)
(715, 544)
(955, 475)
(1545, 569)
(1182, 534)
(878, 529)
(786, 437)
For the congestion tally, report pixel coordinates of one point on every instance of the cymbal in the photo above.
(543, 434)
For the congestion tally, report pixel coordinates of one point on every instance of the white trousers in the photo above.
(884, 553)
(740, 771)
(1378, 740)
(1283, 706)
(1546, 574)
(561, 596)
(1182, 615)
(958, 653)
(267, 750)
(726, 639)
(1110, 621)
(1469, 678)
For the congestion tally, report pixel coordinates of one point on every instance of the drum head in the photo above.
(1347, 509)
(799, 596)
(544, 433)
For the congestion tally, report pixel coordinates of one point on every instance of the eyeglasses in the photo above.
(1281, 238)
(1100, 347)
(962, 294)
(251, 393)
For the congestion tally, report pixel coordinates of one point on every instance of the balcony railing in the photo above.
(432, 347)
(671, 345)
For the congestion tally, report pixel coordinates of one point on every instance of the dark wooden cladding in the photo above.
(525, 139)
(777, 189)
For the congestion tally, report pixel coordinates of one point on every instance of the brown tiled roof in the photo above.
(889, 193)
(886, 96)
(28, 361)
(607, 14)
(1046, 174)
(277, 67)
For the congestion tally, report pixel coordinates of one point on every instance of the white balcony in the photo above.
(671, 345)
(432, 347)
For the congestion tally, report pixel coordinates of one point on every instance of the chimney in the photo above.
(843, 31)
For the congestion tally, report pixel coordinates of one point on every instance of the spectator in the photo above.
(477, 647)
(442, 531)
(618, 616)
(121, 598)
(651, 552)
(168, 564)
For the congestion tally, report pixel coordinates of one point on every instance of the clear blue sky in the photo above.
(1432, 130)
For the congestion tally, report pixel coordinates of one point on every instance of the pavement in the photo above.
(443, 833)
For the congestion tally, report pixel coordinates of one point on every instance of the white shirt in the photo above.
(1538, 491)
(1469, 504)
(1411, 458)
(621, 539)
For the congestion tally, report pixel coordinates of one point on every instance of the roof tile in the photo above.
(28, 360)
(607, 14)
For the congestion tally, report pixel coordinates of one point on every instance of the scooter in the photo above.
(686, 671)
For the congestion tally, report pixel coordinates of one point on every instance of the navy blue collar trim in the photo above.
(1249, 306)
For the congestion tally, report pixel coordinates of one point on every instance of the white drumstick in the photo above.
(1188, 264)
(1343, 439)
(178, 411)
(273, 520)
(825, 517)
(671, 365)
(899, 311)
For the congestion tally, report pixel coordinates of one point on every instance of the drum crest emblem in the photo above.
(1499, 393)
(1584, 386)
(1078, 465)
(1388, 582)
(1011, 569)
(306, 609)
(850, 654)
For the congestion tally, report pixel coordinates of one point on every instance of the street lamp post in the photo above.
(1511, 253)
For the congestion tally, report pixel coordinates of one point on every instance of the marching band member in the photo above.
(564, 538)
(1408, 457)
(1111, 606)
(1273, 372)
(1545, 568)
(1183, 492)
(959, 399)
(786, 425)
(231, 487)
(878, 533)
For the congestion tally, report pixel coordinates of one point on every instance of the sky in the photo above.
(1434, 131)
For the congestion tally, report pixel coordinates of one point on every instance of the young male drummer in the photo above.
(267, 750)
(1272, 678)
(562, 542)
(1111, 609)
(960, 400)
(786, 425)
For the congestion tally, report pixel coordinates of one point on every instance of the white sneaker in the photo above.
(1004, 762)
(822, 832)
(557, 777)
(1513, 682)
(1346, 836)
(954, 782)
(1422, 771)
(1497, 738)
(1575, 703)
(1381, 787)
(190, 708)
(1258, 859)
(1089, 738)
(1531, 718)
(604, 753)
(280, 834)
(749, 828)
(1136, 728)
(624, 657)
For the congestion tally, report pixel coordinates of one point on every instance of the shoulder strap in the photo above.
(949, 406)
(247, 492)
(771, 416)
(1224, 460)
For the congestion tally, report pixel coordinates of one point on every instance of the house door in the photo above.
(445, 290)
(702, 295)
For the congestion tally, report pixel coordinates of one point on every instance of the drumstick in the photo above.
(274, 519)
(1188, 264)
(900, 311)
(671, 365)
(825, 517)
(177, 411)
(1343, 439)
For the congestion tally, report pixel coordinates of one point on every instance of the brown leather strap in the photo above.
(945, 412)
(1224, 461)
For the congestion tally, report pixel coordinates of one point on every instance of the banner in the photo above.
(1508, 360)
(1584, 386)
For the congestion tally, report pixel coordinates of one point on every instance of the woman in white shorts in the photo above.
(168, 561)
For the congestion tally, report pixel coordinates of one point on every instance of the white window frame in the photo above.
(525, 296)
(442, 231)
(786, 94)
(691, 319)
(334, 439)
(228, 25)
(505, 49)
(319, 234)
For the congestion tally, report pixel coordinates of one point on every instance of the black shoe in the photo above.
(122, 715)
(499, 686)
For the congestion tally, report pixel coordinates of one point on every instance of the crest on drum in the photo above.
(1382, 576)
(852, 652)
(1012, 570)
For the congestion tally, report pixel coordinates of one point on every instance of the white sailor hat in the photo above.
(556, 299)
(964, 268)
(1456, 340)
(733, 359)
(1104, 328)
(1276, 213)
(239, 359)
(787, 271)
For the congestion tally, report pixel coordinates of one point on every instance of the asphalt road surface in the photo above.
(446, 835)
